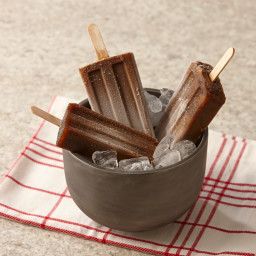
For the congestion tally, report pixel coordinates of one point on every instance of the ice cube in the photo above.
(155, 117)
(165, 96)
(106, 159)
(169, 158)
(154, 104)
(185, 147)
(136, 164)
(155, 108)
(164, 145)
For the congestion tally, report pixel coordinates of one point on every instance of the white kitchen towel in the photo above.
(221, 222)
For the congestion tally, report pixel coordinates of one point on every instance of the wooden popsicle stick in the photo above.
(46, 116)
(98, 42)
(222, 63)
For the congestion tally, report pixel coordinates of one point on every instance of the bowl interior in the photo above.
(87, 160)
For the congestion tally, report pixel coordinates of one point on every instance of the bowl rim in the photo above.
(85, 162)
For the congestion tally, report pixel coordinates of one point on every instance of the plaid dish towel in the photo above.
(221, 222)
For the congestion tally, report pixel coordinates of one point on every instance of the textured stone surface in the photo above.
(43, 43)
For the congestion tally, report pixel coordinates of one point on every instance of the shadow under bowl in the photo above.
(137, 200)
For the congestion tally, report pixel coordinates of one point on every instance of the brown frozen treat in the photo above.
(114, 90)
(85, 131)
(193, 105)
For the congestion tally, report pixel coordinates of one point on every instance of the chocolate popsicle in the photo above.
(196, 102)
(85, 131)
(114, 87)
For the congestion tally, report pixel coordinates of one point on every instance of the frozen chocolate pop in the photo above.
(114, 87)
(196, 102)
(85, 131)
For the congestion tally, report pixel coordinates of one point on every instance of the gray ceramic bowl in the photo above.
(138, 200)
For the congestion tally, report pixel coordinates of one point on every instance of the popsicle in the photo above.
(196, 102)
(114, 87)
(85, 131)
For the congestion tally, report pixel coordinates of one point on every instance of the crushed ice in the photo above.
(169, 158)
(135, 164)
(154, 103)
(166, 153)
(185, 147)
(107, 159)
(156, 106)
(165, 96)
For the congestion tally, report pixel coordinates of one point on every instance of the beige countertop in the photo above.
(43, 43)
